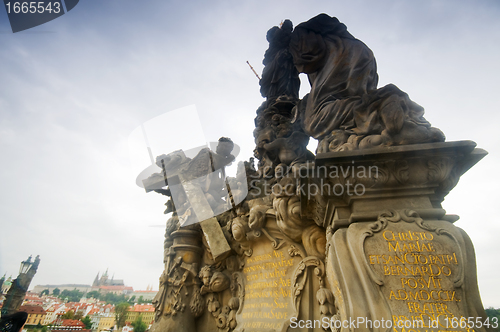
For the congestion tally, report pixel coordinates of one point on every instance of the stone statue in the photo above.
(279, 77)
(345, 110)
(318, 237)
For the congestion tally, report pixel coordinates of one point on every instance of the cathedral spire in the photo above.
(96, 280)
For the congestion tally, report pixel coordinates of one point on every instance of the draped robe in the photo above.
(343, 75)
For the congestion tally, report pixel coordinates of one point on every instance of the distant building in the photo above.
(33, 299)
(127, 328)
(36, 314)
(102, 284)
(6, 285)
(106, 322)
(105, 281)
(52, 313)
(106, 285)
(82, 288)
(145, 311)
(73, 324)
(147, 295)
(104, 319)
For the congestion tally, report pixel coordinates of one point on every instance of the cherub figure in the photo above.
(213, 282)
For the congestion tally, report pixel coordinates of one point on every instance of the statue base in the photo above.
(394, 258)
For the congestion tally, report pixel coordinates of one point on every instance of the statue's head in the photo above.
(308, 49)
(324, 24)
(225, 146)
(308, 46)
(287, 25)
(205, 275)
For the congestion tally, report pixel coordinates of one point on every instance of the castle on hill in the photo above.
(105, 281)
(103, 284)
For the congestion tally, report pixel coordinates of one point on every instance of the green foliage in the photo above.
(139, 325)
(131, 300)
(69, 315)
(45, 329)
(73, 296)
(112, 298)
(87, 321)
(94, 294)
(56, 291)
(141, 300)
(45, 292)
(121, 313)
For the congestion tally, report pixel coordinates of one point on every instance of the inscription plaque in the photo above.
(421, 274)
(268, 302)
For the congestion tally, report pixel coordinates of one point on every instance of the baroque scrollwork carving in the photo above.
(326, 305)
(324, 296)
(409, 216)
(213, 284)
(172, 286)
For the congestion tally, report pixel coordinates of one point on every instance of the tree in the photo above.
(121, 314)
(112, 298)
(139, 325)
(45, 292)
(141, 300)
(73, 296)
(68, 315)
(88, 322)
(132, 299)
(94, 294)
(56, 291)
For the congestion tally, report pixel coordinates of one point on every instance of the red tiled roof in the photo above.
(71, 322)
(93, 311)
(142, 307)
(32, 309)
(116, 287)
(31, 297)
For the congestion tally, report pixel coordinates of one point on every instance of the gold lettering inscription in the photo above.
(420, 279)
(268, 291)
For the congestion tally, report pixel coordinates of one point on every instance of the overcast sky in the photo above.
(72, 92)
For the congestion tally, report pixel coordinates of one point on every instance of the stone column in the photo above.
(179, 301)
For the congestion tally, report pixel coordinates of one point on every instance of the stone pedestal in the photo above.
(394, 258)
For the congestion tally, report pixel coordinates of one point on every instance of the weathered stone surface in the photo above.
(219, 248)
